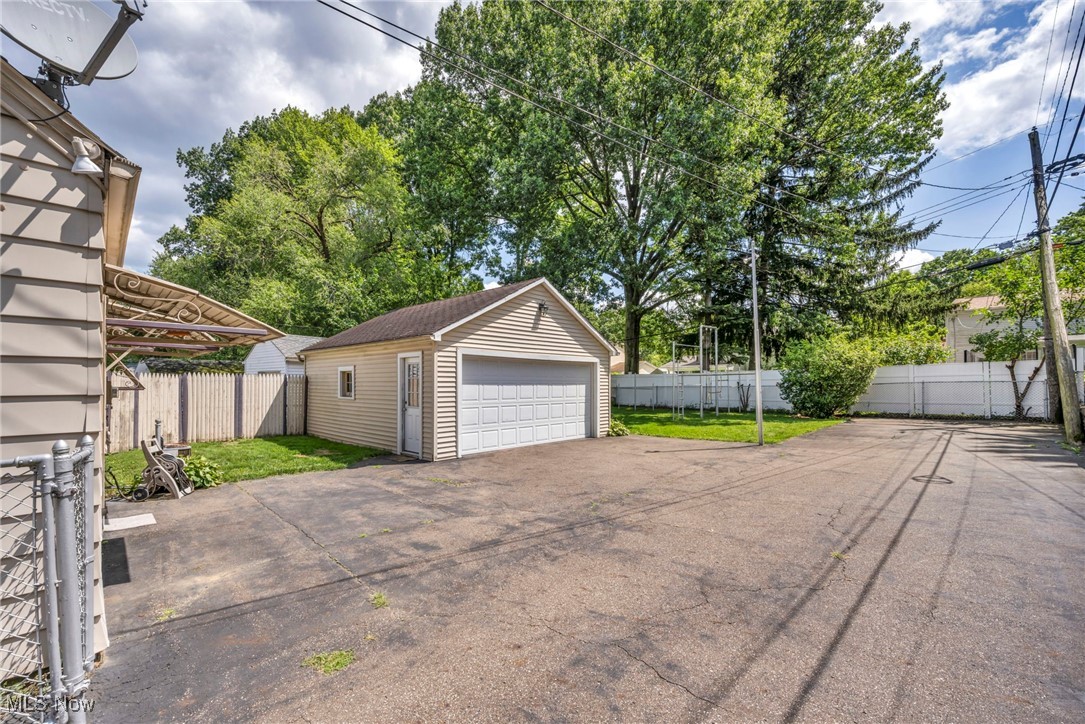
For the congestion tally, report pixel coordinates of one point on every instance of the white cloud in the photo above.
(491, 284)
(208, 66)
(999, 96)
(983, 45)
(911, 259)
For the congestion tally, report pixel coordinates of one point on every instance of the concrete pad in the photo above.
(877, 570)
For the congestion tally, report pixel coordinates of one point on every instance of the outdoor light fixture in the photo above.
(543, 308)
(85, 153)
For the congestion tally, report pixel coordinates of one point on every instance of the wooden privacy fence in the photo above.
(202, 407)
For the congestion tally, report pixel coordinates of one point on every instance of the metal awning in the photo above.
(149, 316)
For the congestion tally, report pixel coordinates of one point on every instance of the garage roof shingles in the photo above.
(419, 320)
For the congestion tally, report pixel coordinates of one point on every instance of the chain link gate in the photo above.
(47, 587)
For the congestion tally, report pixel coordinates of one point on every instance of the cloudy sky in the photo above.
(209, 65)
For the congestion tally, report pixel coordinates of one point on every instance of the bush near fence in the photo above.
(980, 390)
(202, 407)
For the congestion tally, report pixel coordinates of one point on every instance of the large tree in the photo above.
(798, 122)
(609, 208)
(300, 220)
(860, 118)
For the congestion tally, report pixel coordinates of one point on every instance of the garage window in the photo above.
(346, 383)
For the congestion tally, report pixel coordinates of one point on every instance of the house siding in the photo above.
(517, 327)
(265, 357)
(371, 417)
(51, 322)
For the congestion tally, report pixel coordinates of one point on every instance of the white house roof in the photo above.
(291, 344)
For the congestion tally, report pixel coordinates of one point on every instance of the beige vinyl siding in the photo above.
(371, 417)
(517, 327)
(51, 334)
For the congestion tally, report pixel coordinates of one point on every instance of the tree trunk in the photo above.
(633, 317)
(1018, 396)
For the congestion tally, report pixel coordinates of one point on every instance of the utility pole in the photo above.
(756, 347)
(1055, 322)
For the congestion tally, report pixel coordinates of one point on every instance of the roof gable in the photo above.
(421, 319)
(434, 319)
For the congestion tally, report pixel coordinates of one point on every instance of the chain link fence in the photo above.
(47, 585)
(981, 397)
(23, 682)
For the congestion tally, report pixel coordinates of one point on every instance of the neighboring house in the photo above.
(967, 320)
(279, 356)
(617, 365)
(66, 304)
(684, 365)
(505, 367)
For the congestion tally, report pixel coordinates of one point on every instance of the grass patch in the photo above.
(726, 427)
(329, 662)
(378, 600)
(257, 458)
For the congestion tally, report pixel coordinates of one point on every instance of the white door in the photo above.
(410, 403)
(509, 402)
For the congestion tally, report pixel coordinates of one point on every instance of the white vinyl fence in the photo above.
(970, 389)
(201, 407)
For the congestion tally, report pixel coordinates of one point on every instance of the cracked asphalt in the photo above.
(878, 570)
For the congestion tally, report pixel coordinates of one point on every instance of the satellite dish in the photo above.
(74, 38)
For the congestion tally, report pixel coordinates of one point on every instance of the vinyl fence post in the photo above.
(68, 593)
(987, 392)
(635, 392)
(182, 408)
(239, 405)
(305, 407)
(135, 420)
(286, 397)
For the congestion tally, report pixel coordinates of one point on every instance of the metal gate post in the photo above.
(68, 593)
(86, 446)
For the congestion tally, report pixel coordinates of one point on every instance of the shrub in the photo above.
(617, 429)
(202, 472)
(919, 344)
(827, 375)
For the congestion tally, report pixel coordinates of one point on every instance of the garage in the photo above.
(499, 368)
(513, 402)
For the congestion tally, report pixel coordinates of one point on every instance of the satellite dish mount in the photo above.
(74, 39)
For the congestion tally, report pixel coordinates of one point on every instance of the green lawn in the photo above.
(259, 458)
(727, 427)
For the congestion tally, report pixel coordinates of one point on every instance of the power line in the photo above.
(1080, 52)
(1058, 94)
(964, 205)
(1004, 211)
(996, 186)
(1050, 41)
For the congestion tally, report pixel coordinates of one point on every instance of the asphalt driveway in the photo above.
(877, 570)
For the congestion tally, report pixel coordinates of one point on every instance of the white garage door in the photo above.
(508, 403)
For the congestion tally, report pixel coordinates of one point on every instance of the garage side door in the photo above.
(508, 403)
